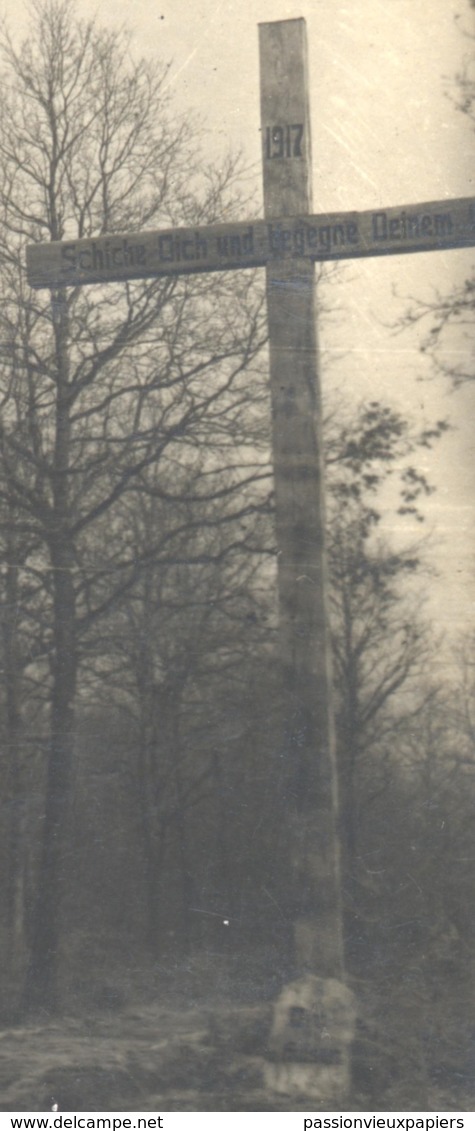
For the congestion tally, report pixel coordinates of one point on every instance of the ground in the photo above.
(156, 1058)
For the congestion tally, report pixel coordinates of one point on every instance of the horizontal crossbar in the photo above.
(432, 226)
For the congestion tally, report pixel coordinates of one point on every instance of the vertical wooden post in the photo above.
(299, 503)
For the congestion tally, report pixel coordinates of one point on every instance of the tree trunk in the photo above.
(41, 987)
(15, 908)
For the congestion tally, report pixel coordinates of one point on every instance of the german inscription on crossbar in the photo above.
(347, 235)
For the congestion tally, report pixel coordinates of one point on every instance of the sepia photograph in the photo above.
(237, 556)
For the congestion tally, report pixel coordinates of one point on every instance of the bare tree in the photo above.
(102, 385)
(193, 618)
(381, 643)
(447, 318)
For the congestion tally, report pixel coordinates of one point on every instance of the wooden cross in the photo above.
(287, 242)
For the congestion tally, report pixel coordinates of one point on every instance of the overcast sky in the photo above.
(385, 132)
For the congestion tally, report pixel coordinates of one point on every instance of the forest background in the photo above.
(144, 777)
